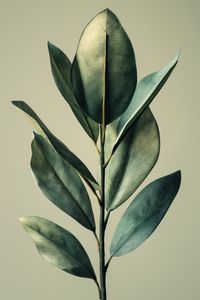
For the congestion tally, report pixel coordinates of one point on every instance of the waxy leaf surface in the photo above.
(62, 150)
(58, 246)
(60, 183)
(104, 72)
(61, 66)
(132, 161)
(144, 214)
(145, 92)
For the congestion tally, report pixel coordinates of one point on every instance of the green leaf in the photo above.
(132, 161)
(104, 72)
(60, 183)
(144, 214)
(58, 246)
(62, 150)
(145, 92)
(61, 66)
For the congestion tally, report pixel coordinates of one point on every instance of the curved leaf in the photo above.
(60, 183)
(62, 150)
(60, 67)
(58, 246)
(145, 92)
(104, 72)
(132, 161)
(144, 214)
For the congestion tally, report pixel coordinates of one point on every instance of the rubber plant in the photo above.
(101, 88)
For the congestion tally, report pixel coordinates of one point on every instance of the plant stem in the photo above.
(101, 221)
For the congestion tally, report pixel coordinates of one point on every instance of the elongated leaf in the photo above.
(145, 92)
(58, 246)
(60, 183)
(61, 66)
(144, 214)
(132, 161)
(104, 71)
(62, 150)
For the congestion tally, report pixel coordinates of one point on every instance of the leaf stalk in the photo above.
(107, 264)
(106, 219)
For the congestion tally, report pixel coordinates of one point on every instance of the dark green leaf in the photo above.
(62, 150)
(58, 246)
(132, 161)
(104, 72)
(61, 66)
(60, 183)
(145, 92)
(144, 214)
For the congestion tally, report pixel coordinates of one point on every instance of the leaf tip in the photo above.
(19, 104)
(15, 102)
(178, 176)
(179, 54)
(22, 220)
(35, 134)
(175, 179)
(107, 12)
(176, 58)
(37, 137)
(50, 45)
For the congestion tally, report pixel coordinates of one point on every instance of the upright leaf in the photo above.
(60, 183)
(58, 246)
(61, 66)
(132, 161)
(104, 71)
(144, 214)
(145, 92)
(62, 150)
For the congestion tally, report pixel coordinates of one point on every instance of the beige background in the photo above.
(167, 265)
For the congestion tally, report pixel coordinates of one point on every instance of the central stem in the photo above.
(101, 221)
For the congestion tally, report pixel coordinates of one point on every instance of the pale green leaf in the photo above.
(62, 150)
(104, 72)
(60, 183)
(58, 246)
(132, 161)
(61, 66)
(144, 214)
(145, 92)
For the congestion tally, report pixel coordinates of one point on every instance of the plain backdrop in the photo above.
(167, 265)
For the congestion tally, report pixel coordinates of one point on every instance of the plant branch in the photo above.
(96, 237)
(107, 162)
(92, 189)
(106, 219)
(98, 199)
(101, 221)
(97, 149)
(107, 264)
